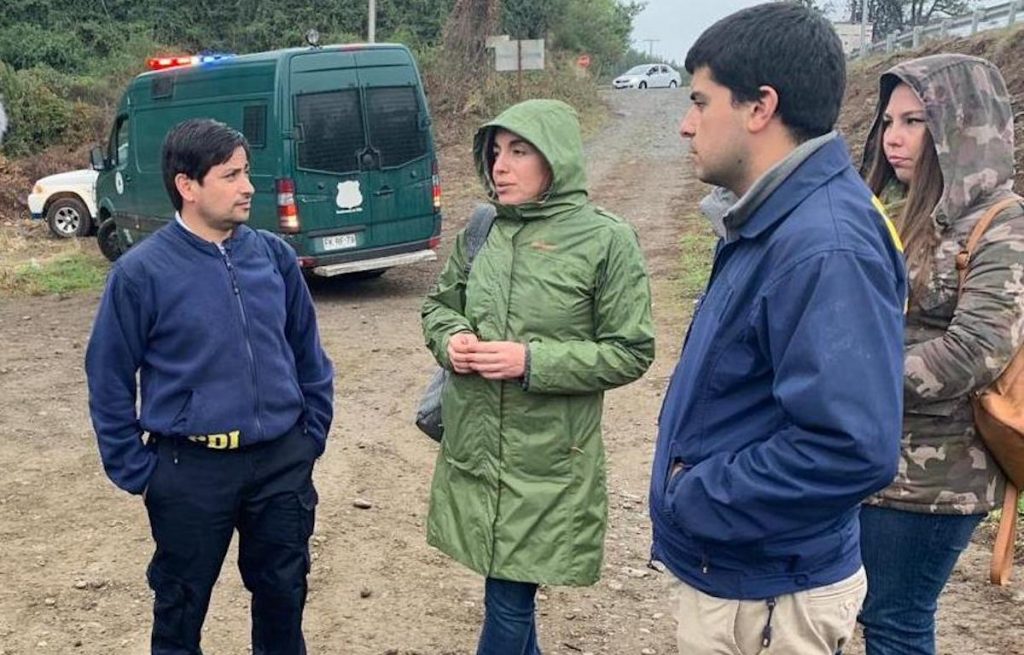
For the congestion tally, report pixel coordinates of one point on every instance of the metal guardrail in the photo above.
(989, 18)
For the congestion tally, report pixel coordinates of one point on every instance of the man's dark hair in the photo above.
(783, 45)
(195, 146)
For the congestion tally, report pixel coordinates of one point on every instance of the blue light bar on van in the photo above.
(163, 63)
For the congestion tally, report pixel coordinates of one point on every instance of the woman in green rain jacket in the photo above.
(555, 310)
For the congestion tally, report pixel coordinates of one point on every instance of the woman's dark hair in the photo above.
(195, 146)
(917, 229)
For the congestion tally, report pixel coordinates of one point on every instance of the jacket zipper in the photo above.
(248, 340)
(501, 400)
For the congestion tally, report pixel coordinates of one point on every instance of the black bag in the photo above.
(428, 414)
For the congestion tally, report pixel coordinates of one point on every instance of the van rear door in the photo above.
(363, 153)
(399, 137)
(330, 140)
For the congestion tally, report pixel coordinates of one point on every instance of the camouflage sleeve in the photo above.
(987, 326)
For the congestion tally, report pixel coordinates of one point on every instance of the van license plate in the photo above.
(339, 241)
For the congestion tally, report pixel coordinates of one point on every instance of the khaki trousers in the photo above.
(813, 622)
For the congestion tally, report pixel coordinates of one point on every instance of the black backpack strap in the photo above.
(479, 227)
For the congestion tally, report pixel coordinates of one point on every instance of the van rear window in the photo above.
(332, 131)
(254, 125)
(394, 124)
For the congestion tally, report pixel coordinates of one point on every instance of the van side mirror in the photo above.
(97, 160)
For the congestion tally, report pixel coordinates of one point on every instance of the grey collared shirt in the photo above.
(728, 213)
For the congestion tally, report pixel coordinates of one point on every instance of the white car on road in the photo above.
(67, 201)
(648, 76)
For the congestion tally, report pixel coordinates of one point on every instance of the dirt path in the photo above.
(73, 550)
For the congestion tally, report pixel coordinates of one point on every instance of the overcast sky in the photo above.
(677, 23)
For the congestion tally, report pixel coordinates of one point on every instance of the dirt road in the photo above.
(73, 549)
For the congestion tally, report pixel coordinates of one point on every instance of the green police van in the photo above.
(342, 155)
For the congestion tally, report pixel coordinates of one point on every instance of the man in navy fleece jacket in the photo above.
(236, 396)
(785, 409)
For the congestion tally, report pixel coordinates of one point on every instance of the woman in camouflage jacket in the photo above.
(940, 153)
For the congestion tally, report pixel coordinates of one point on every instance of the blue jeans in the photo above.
(510, 627)
(908, 557)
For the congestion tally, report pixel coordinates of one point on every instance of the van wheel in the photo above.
(642, 85)
(106, 238)
(672, 84)
(68, 217)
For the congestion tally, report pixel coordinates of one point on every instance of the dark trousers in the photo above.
(196, 499)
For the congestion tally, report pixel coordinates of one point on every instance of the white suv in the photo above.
(67, 201)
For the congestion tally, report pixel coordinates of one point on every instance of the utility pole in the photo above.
(650, 46)
(372, 22)
(863, 29)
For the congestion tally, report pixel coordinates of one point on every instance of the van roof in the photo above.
(276, 55)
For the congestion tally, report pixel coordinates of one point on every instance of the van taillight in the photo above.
(435, 180)
(287, 210)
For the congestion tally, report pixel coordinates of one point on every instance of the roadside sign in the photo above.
(519, 55)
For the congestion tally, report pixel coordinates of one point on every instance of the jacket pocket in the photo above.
(464, 421)
(671, 481)
(173, 602)
(216, 408)
(308, 500)
(852, 587)
(548, 434)
(673, 476)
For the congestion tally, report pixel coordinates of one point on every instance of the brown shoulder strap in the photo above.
(963, 258)
(1002, 551)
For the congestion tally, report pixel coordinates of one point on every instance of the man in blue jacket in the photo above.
(236, 397)
(784, 410)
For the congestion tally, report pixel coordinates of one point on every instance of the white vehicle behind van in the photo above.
(67, 201)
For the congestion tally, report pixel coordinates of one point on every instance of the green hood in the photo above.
(554, 129)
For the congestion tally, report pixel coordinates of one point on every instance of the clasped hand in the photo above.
(494, 360)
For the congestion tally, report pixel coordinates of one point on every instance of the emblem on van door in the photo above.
(350, 198)
(119, 183)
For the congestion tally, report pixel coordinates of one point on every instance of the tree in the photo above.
(824, 6)
(418, 22)
(893, 16)
(531, 19)
(600, 28)
(465, 33)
